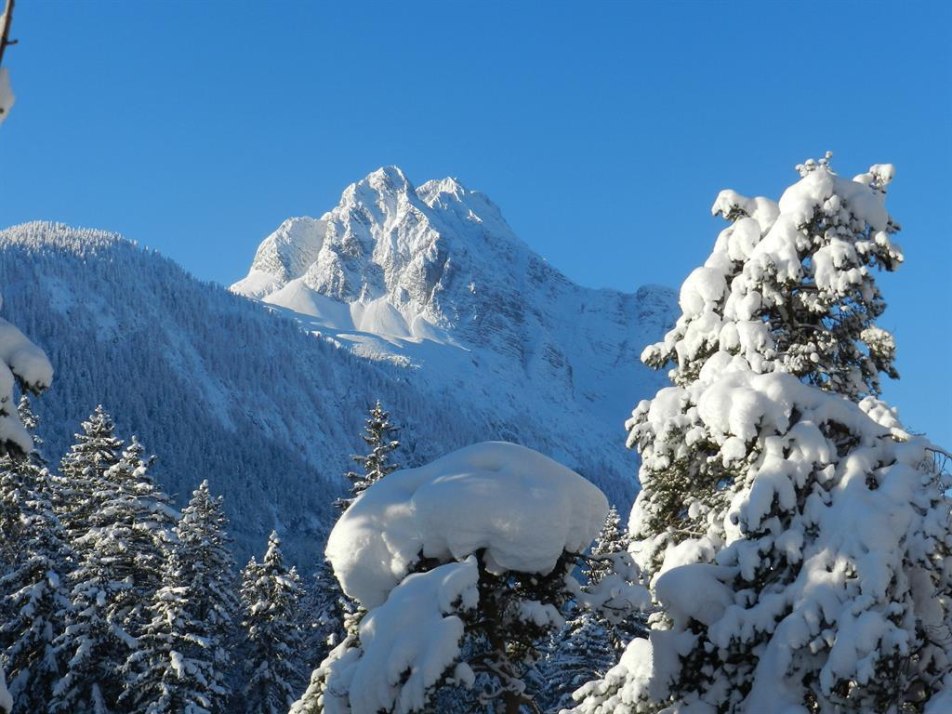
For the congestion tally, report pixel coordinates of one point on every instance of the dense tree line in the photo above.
(112, 601)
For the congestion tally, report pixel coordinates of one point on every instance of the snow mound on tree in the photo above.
(407, 643)
(521, 508)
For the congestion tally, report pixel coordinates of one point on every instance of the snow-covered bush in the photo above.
(796, 537)
(463, 566)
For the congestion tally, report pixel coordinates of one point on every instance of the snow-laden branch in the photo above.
(6, 93)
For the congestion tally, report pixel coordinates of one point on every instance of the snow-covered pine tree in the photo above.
(611, 539)
(37, 597)
(790, 286)
(121, 526)
(379, 435)
(183, 659)
(795, 534)
(18, 478)
(270, 601)
(592, 639)
(608, 556)
(137, 516)
(323, 604)
(578, 653)
(34, 588)
(79, 489)
(93, 643)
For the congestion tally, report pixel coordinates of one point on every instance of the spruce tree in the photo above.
(379, 436)
(592, 639)
(456, 618)
(324, 604)
(611, 539)
(183, 659)
(94, 644)
(137, 515)
(270, 600)
(120, 526)
(796, 536)
(578, 653)
(35, 599)
(80, 490)
(790, 286)
(18, 479)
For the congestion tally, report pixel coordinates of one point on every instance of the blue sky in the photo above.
(603, 130)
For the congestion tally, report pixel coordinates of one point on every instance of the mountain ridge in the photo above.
(269, 409)
(478, 286)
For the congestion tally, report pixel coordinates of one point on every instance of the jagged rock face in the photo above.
(440, 256)
(406, 260)
(288, 252)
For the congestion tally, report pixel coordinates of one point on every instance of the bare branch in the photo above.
(5, 40)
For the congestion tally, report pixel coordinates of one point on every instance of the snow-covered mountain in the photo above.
(422, 298)
(433, 278)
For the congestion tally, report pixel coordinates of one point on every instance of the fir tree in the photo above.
(592, 639)
(790, 286)
(18, 479)
(94, 644)
(620, 624)
(136, 515)
(80, 492)
(458, 629)
(37, 597)
(121, 526)
(182, 661)
(611, 539)
(34, 588)
(795, 534)
(578, 653)
(324, 603)
(270, 599)
(379, 436)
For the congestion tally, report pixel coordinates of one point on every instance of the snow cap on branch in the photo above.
(20, 361)
(522, 509)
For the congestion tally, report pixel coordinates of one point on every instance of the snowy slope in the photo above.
(221, 388)
(434, 279)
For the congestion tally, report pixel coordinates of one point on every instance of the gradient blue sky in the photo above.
(603, 130)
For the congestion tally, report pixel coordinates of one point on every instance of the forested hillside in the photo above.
(223, 389)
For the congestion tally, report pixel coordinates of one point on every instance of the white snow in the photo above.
(19, 359)
(521, 508)
(854, 540)
(726, 303)
(7, 97)
(407, 643)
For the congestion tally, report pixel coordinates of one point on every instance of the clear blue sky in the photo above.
(603, 130)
